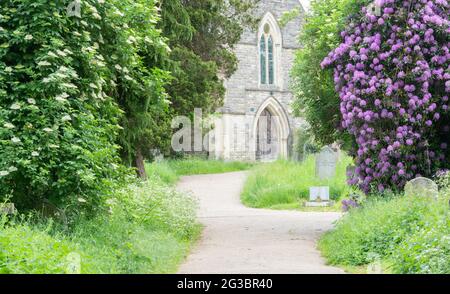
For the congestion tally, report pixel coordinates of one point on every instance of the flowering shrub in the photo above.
(393, 78)
(57, 123)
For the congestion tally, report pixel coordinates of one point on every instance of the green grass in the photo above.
(149, 228)
(285, 184)
(169, 171)
(407, 235)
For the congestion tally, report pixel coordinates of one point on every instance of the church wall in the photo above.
(244, 94)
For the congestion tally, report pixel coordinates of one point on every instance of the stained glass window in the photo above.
(270, 60)
(267, 58)
(263, 59)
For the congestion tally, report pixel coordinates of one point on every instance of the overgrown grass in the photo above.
(149, 228)
(410, 235)
(169, 171)
(285, 184)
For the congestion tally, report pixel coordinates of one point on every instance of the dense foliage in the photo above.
(406, 235)
(149, 229)
(58, 122)
(202, 35)
(315, 97)
(392, 72)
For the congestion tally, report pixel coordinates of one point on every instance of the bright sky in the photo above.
(305, 4)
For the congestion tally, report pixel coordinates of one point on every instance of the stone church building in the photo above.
(256, 121)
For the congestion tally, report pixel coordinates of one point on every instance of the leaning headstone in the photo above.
(8, 209)
(422, 187)
(326, 162)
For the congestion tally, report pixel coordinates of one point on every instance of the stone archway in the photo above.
(270, 131)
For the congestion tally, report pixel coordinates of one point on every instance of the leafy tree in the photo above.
(58, 125)
(135, 52)
(202, 34)
(315, 97)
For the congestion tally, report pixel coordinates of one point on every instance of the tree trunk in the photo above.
(140, 165)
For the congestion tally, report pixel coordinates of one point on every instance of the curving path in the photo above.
(241, 240)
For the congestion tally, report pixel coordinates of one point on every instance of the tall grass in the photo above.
(170, 171)
(149, 228)
(285, 182)
(412, 235)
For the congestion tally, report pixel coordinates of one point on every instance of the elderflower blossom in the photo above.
(4, 173)
(15, 106)
(31, 101)
(35, 154)
(66, 118)
(28, 37)
(9, 126)
(15, 140)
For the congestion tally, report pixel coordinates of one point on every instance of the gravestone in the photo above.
(319, 197)
(8, 209)
(319, 194)
(422, 187)
(326, 162)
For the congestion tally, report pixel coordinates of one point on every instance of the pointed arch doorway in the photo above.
(271, 131)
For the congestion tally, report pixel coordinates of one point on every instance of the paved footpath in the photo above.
(237, 239)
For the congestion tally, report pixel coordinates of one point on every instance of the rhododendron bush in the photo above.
(392, 72)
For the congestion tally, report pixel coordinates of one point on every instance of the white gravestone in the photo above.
(318, 194)
(422, 187)
(319, 197)
(326, 162)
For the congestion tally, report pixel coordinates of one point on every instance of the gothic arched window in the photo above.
(266, 55)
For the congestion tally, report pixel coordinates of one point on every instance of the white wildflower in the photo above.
(51, 54)
(118, 67)
(12, 169)
(128, 78)
(48, 130)
(15, 106)
(62, 98)
(61, 53)
(9, 126)
(31, 101)
(82, 200)
(119, 13)
(44, 63)
(8, 69)
(66, 118)
(28, 37)
(4, 173)
(92, 85)
(69, 85)
(53, 146)
(35, 154)
(131, 40)
(15, 140)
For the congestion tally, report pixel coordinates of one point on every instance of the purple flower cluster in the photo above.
(392, 72)
(348, 204)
